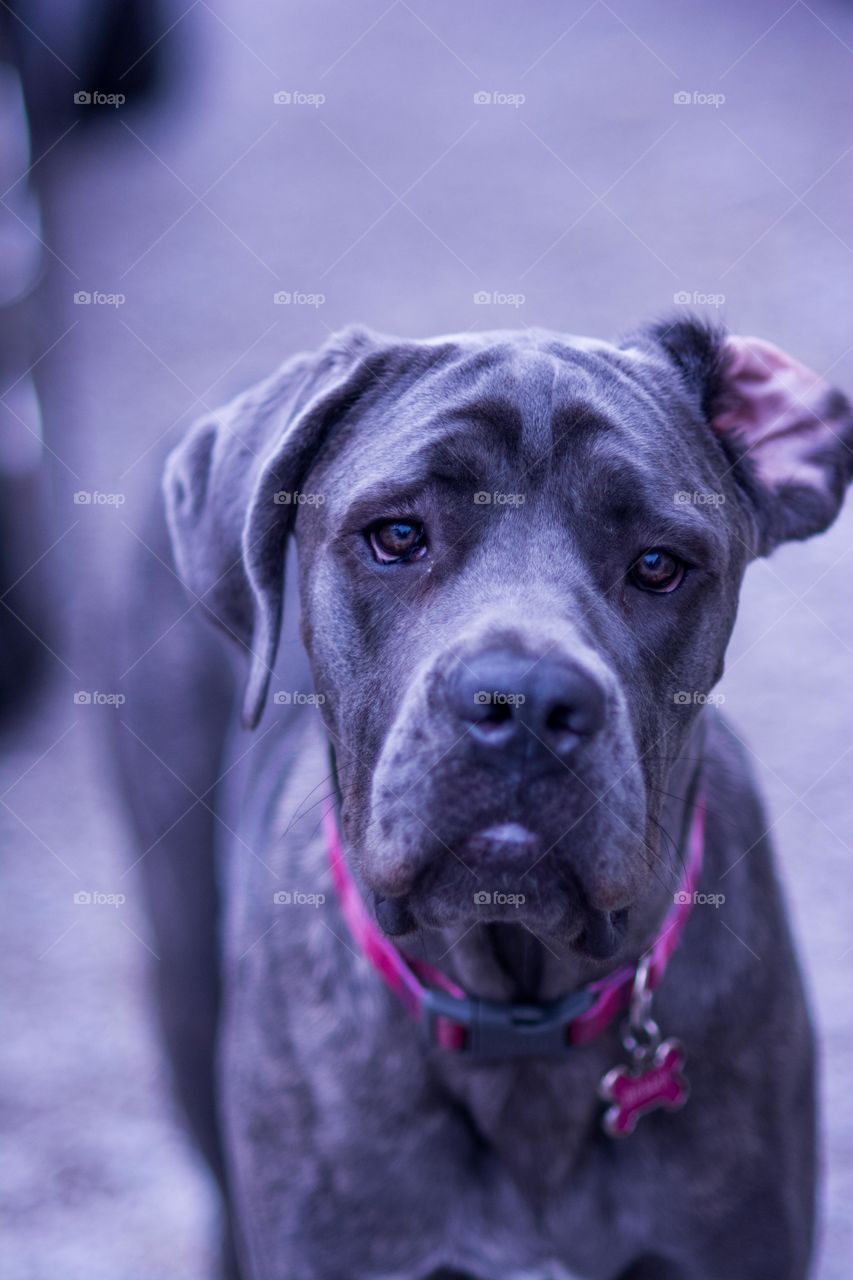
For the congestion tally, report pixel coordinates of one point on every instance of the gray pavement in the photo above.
(398, 199)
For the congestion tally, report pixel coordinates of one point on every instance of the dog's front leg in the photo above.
(766, 1238)
(343, 1158)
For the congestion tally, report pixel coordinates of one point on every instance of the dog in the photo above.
(446, 941)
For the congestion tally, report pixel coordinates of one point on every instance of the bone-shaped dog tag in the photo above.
(651, 1083)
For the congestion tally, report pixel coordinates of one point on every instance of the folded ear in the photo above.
(228, 486)
(788, 435)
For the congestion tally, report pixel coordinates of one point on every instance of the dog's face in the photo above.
(506, 600)
(520, 557)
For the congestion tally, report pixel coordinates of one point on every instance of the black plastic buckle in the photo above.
(495, 1030)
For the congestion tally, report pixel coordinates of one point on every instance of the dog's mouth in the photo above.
(506, 874)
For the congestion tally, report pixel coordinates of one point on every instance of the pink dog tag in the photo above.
(636, 1090)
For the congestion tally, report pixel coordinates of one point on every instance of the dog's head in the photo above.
(520, 557)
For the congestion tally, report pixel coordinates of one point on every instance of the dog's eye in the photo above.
(396, 540)
(657, 570)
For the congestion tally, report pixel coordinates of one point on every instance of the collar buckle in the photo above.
(491, 1029)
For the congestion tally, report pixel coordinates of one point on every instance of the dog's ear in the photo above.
(230, 491)
(786, 434)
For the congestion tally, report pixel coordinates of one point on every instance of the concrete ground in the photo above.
(383, 191)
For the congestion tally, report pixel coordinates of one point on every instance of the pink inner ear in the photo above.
(774, 408)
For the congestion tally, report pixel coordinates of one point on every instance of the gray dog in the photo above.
(519, 563)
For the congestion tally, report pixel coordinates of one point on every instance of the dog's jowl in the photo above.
(498, 979)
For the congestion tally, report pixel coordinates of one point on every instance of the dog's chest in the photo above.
(535, 1117)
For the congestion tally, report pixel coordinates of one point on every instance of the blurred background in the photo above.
(194, 189)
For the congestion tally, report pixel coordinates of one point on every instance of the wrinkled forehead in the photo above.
(525, 405)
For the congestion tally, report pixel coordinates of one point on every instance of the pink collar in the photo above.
(488, 1029)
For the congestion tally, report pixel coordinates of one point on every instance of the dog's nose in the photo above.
(523, 706)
